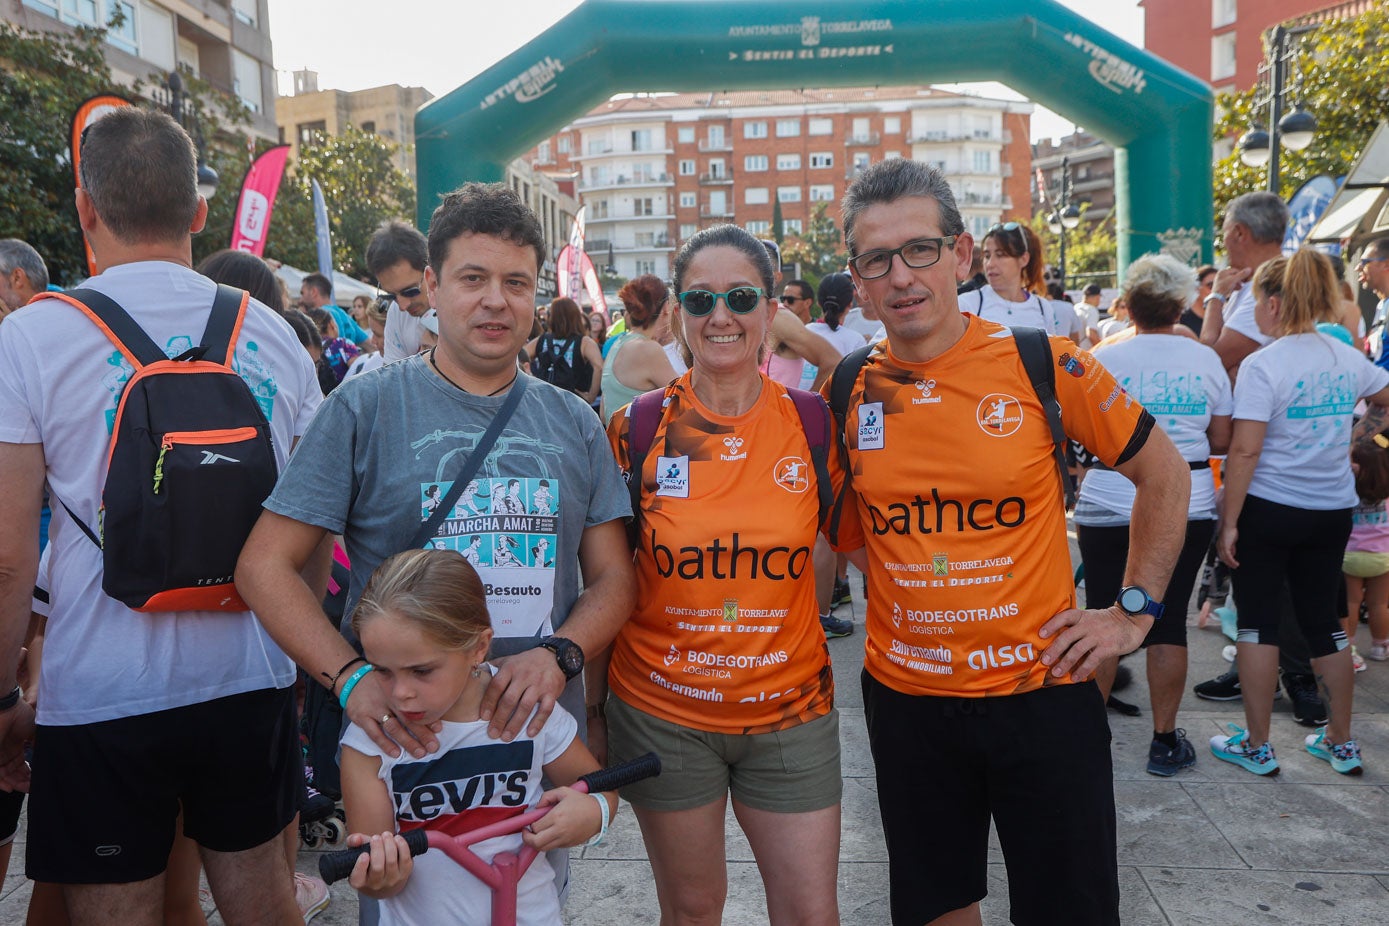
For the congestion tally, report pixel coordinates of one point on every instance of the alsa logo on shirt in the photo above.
(673, 476)
(870, 426)
(999, 414)
(792, 474)
(1003, 656)
(462, 779)
(735, 449)
(926, 387)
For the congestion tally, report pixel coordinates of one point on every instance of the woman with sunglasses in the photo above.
(723, 669)
(634, 361)
(1014, 267)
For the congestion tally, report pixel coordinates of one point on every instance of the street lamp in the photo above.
(1066, 216)
(1295, 130)
(207, 177)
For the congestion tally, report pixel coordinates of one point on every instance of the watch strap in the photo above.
(11, 699)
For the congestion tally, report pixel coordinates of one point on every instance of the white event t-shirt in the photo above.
(1238, 315)
(472, 781)
(843, 340)
(401, 337)
(1182, 385)
(1305, 386)
(1033, 312)
(60, 382)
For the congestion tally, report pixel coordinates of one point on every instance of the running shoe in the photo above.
(1235, 749)
(1166, 761)
(1225, 687)
(1308, 707)
(841, 595)
(1379, 650)
(834, 627)
(1357, 661)
(1344, 758)
(311, 894)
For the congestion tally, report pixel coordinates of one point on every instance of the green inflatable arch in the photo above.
(1157, 117)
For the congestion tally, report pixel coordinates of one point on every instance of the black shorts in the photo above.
(946, 765)
(11, 805)
(105, 796)
(1105, 552)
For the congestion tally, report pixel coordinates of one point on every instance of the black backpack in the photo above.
(189, 465)
(562, 363)
(1035, 351)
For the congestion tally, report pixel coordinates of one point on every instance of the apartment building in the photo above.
(1090, 162)
(225, 42)
(388, 111)
(655, 168)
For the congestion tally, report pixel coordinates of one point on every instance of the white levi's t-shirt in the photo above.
(1305, 386)
(60, 382)
(1182, 385)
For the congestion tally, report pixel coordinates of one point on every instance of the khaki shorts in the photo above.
(795, 770)
(1364, 565)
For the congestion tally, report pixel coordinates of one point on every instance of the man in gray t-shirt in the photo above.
(546, 505)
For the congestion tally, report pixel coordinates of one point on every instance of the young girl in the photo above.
(1366, 563)
(423, 623)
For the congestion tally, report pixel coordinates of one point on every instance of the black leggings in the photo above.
(1105, 551)
(1302, 546)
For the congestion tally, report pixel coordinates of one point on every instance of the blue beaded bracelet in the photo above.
(352, 681)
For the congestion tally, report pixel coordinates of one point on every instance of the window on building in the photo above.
(820, 159)
(788, 194)
(788, 128)
(688, 200)
(1222, 56)
(756, 196)
(979, 226)
(644, 239)
(788, 162)
(126, 35)
(687, 167)
(861, 127)
(245, 10)
(562, 144)
(310, 133)
(755, 162)
(685, 134)
(600, 208)
(641, 140)
(1223, 13)
(820, 127)
(791, 226)
(861, 161)
(889, 155)
(983, 162)
(822, 193)
(644, 206)
(892, 125)
(755, 129)
(542, 150)
(687, 230)
(645, 266)
(716, 136)
(157, 37)
(759, 228)
(246, 80)
(49, 7)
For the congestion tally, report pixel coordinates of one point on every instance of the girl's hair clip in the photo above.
(1382, 441)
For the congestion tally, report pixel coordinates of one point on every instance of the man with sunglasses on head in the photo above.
(397, 255)
(978, 672)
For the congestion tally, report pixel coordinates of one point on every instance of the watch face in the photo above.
(1133, 599)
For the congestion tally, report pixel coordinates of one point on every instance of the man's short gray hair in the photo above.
(894, 179)
(15, 253)
(1264, 214)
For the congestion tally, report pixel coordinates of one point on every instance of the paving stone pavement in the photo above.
(1214, 846)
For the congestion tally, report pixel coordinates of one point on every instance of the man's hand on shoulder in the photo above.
(523, 682)
(1084, 639)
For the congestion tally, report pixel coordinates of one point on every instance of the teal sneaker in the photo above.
(1235, 748)
(1344, 758)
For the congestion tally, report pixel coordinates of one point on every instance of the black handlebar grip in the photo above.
(620, 776)
(334, 866)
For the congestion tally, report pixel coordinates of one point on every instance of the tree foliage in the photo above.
(819, 249)
(1341, 75)
(1091, 249)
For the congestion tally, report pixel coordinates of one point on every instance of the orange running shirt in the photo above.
(960, 507)
(726, 635)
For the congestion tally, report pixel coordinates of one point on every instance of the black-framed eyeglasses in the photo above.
(409, 292)
(917, 254)
(739, 299)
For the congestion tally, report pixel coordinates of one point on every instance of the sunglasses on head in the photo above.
(739, 299)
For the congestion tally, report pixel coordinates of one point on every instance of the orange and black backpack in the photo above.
(189, 464)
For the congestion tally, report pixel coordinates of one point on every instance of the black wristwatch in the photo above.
(10, 700)
(567, 653)
(1135, 601)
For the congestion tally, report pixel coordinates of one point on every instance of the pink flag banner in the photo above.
(570, 282)
(252, 223)
(569, 266)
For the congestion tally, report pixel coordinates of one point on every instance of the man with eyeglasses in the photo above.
(978, 672)
(1373, 273)
(397, 255)
(1255, 224)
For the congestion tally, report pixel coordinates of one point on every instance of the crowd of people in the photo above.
(535, 529)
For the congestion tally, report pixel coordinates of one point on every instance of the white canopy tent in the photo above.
(345, 289)
(1360, 210)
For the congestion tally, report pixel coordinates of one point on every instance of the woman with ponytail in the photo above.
(1289, 493)
(836, 298)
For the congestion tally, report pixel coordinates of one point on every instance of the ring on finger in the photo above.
(384, 719)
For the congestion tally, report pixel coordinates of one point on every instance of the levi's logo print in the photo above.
(464, 788)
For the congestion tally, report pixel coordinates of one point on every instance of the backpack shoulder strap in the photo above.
(116, 323)
(644, 418)
(841, 389)
(815, 422)
(1035, 351)
(224, 324)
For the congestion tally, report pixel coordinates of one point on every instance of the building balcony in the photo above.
(705, 145)
(594, 152)
(720, 179)
(600, 246)
(707, 211)
(595, 220)
(938, 138)
(984, 199)
(868, 140)
(625, 182)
